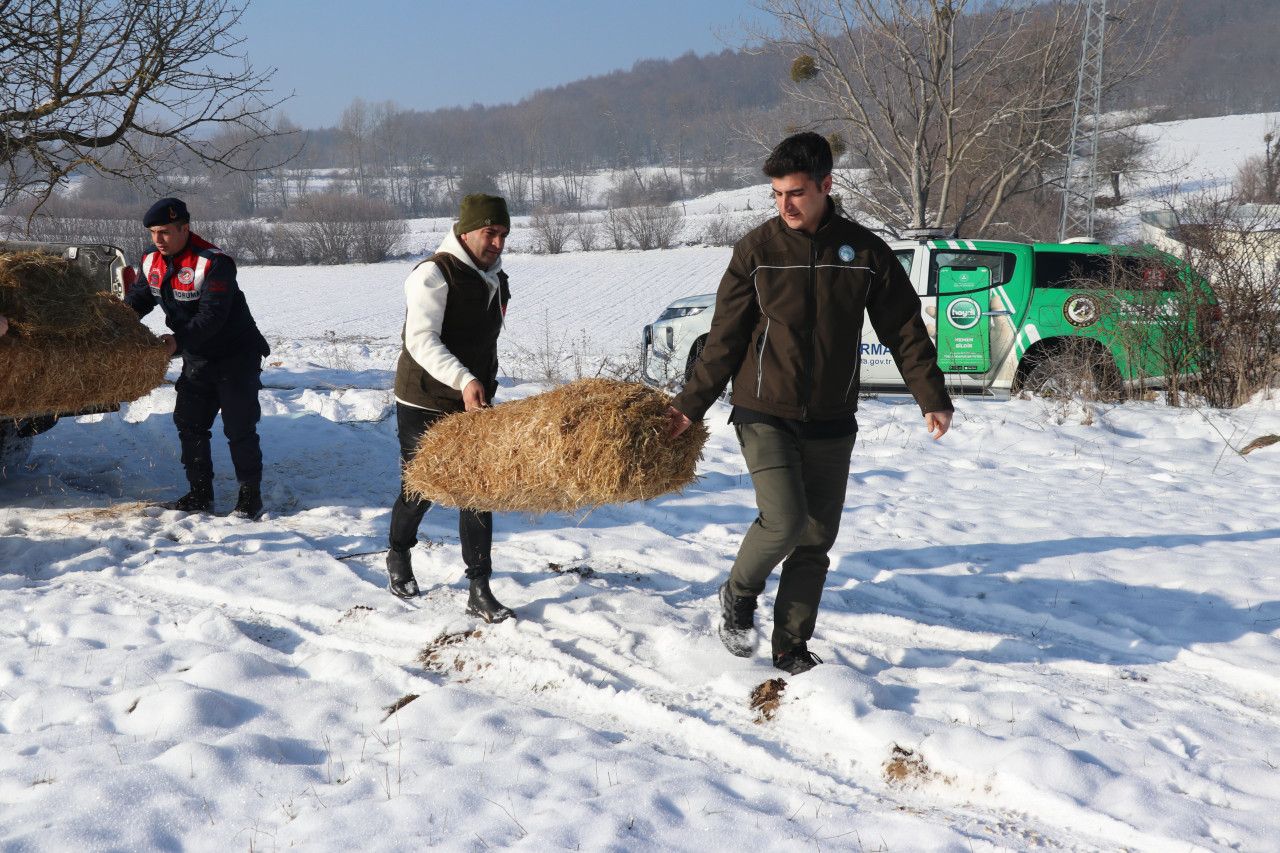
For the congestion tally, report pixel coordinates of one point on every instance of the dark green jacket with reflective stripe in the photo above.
(787, 326)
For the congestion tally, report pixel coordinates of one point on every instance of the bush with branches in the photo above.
(653, 226)
(615, 227)
(552, 230)
(1237, 248)
(587, 232)
(335, 228)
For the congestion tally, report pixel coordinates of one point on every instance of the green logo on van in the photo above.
(964, 313)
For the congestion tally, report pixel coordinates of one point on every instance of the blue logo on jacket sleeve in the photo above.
(846, 253)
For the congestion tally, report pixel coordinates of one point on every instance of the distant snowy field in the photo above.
(1058, 627)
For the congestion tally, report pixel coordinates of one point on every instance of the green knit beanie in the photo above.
(479, 211)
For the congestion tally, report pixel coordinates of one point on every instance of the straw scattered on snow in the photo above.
(588, 443)
(70, 347)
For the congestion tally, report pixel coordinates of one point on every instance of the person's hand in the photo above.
(937, 423)
(4, 325)
(473, 396)
(677, 422)
(171, 344)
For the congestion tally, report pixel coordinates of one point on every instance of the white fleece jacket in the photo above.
(425, 292)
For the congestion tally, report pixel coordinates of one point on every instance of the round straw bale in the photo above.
(115, 360)
(46, 294)
(591, 442)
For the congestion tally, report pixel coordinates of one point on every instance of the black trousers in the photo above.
(229, 386)
(800, 487)
(475, 529)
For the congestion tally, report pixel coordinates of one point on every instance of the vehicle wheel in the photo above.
(14, 449)
(1074, 368)
(695, 352)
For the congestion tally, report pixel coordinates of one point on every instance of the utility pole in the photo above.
(1081, 180)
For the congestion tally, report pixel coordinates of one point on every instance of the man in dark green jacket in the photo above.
(455, 304)
(786, 329)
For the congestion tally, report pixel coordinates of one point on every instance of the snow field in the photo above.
(1069, 627)
(1055, 628)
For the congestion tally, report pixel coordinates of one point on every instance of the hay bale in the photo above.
(45, 294)
(591, 442)
(70, 346)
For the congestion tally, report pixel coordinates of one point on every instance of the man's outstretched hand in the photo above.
(677, 422)
(937, 423)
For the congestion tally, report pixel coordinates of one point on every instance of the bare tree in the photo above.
(1122, 152)
(615, 227)
(355, 127)
(145, 82)
(955, 105)
(1258, 179)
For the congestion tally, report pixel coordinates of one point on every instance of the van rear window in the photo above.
(1075, 270)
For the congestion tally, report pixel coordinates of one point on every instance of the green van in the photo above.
(1009, 316)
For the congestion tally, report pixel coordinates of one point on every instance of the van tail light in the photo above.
(129, 275)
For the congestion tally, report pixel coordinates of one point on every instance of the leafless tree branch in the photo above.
(126, 88)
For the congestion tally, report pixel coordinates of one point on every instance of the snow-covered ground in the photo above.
(1068, 618)
(1058, 627)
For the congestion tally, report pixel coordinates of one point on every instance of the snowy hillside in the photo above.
(1058, 627)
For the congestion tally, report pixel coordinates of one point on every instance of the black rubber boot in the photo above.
(401, 581)
(737, 622)
(249, 504)
(480, 602)
(199, 499)
(796, 660)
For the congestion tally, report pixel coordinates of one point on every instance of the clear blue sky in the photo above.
(429, 53)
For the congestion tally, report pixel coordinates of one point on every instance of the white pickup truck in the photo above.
(107, 267)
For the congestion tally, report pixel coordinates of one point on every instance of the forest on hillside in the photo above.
(705, 120)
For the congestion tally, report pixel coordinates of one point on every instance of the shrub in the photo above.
(335, 228)
(588, 233)
(551, 230)
(653, 226)
(250, 242)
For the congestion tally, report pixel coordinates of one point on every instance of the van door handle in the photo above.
(999, 313)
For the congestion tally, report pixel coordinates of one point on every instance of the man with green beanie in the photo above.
(455, 302)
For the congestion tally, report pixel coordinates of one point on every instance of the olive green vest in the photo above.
(470, 331)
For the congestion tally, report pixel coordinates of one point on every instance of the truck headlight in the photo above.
(675, 313)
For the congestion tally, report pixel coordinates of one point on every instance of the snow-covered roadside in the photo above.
(1071, 628)
(1055, 628)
